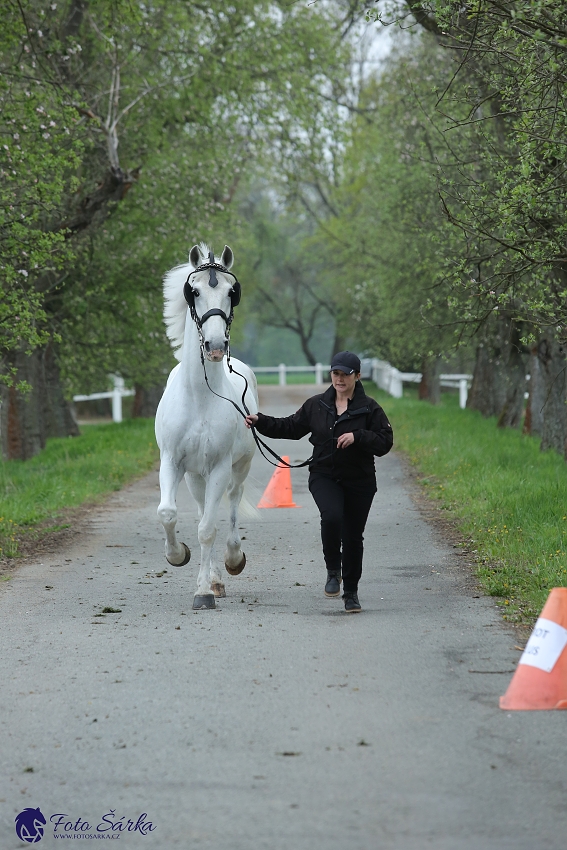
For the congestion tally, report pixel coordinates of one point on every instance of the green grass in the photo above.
(291, 378)
(69, 472)
(508, 499)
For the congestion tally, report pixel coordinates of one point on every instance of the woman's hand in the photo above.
(345, 440)
(250, 420)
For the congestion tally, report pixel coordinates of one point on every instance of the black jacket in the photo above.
(364, 417)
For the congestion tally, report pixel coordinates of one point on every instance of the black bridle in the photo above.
(235, 295)
(190, 294)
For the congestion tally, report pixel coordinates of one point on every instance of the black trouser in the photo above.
(344, 507)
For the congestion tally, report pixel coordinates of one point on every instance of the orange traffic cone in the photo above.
(540, 681)
(278, 492)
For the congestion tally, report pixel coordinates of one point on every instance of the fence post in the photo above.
(463, 393)
(375, 371)
(396, 386)
(282, 375)
(319, 373)
(117, 398)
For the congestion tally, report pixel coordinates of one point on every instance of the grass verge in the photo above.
(68, 473)
(508, 499)
(291, 378)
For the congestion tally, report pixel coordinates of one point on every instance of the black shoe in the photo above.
(352, 605)
(333, 586)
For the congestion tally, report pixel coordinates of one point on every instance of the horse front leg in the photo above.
(208, 575)
(197, 487)
(176, 553)
(234, 557)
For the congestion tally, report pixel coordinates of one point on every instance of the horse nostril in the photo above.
(207, 346)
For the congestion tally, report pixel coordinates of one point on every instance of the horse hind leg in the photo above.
(176, 553)
(217, 584)
(204, 597)
(197, 488)
(216, 485)
(234, 557)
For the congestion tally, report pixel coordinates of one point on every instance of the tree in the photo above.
(382, 230)
(503, 184)
(288, 280)
(151, 87)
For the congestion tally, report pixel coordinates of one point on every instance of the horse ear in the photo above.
(196, 256)
(227, 258)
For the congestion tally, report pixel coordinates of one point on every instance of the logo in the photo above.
(29, 825)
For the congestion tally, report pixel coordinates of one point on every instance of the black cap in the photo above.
(346, 362)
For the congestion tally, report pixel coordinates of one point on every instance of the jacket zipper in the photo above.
(349, 415)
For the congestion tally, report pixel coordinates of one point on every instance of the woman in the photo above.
(347, 429)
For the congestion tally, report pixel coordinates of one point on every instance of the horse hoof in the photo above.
(218, 589)
(184, 561)
(204, 600)
(235, 571)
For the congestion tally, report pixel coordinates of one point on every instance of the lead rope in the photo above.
(259, 442)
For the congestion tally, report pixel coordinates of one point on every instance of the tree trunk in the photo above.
(514, 378)
(113, 187)
(146, 401)
(499, 379)
(551, 354)
(310, 357)
(533, 423)
(430, 386)
(58, 418)
(23, 431)
(338, 344)
(482, 396)
(27, 419)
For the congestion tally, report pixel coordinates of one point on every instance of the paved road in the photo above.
(276, 721)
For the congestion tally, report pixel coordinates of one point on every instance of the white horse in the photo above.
(199, 434)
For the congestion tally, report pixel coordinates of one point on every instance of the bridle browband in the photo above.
(235, 295)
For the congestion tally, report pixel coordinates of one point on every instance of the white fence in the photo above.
(384, 375)
(282, 371)
(390, 379)
(115, 394)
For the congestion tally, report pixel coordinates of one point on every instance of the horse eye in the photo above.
(196, 293)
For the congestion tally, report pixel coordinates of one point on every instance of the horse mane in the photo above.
(175, 306)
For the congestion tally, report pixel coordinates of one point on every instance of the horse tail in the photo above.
(246, 509)
(251, 495)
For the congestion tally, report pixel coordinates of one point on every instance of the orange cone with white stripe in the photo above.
(540, 681)
(278, 493)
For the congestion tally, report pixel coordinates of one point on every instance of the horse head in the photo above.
(212, 292)
(29, 825)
